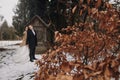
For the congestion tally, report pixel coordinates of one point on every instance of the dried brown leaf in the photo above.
(74, 9)
(64, 77)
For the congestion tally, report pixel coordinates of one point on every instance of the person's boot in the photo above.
(31, 60)
(35, 58)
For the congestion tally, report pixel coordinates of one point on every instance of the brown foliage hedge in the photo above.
(92, 53)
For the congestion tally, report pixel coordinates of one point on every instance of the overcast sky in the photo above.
(6, 9)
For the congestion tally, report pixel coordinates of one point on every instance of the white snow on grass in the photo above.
(9, 44)
(10, 70)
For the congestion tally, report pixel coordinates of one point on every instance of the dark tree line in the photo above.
(7, 32)
(54, 12)
(57, 13)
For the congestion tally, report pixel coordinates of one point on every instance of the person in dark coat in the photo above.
(31, 42)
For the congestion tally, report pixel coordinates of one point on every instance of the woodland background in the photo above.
(87, 38)
(57, 13)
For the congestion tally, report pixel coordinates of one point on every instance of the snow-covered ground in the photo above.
(9, 44)
(9, 70)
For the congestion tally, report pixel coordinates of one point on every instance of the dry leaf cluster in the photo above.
(92, 53)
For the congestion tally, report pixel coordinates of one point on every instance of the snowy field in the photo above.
(10, 70)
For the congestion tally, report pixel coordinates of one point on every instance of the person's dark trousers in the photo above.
(32, 52)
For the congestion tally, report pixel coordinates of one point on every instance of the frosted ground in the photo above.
(9, 70)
